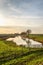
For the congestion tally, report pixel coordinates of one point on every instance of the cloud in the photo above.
(28, 13)
(24, 21)
(14, 9)
(22, 7)
(21, 13)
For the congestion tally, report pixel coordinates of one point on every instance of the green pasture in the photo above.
(11, 54)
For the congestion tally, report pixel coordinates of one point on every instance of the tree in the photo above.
(23, 35)
(28, 32)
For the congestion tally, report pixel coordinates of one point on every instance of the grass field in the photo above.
(37, 37)
(11, 54)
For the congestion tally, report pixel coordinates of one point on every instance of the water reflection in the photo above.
(25, 42)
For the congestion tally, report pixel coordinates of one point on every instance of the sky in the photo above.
(21, 13)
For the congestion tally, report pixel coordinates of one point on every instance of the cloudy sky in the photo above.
(21, 13)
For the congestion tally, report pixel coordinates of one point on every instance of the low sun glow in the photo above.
(2, 21)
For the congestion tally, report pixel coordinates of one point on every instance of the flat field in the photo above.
(11, 54)
(36, 37)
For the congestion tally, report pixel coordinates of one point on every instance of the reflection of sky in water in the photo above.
(20, 41)
(35, 43)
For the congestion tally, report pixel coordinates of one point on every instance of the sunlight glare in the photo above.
(2, 21)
